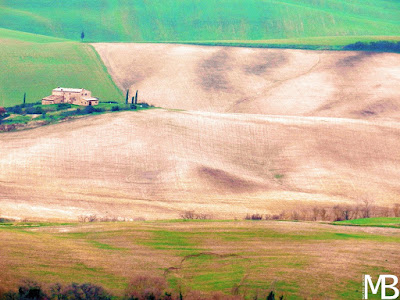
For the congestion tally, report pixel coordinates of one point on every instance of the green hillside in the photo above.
(201, 20)
(36, 64)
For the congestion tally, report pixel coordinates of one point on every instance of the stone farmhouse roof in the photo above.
(61, 89)
(54, 97)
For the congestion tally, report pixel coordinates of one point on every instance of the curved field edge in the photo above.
(35, 65)
(258, 81)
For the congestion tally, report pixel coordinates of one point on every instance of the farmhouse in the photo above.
(72, 96)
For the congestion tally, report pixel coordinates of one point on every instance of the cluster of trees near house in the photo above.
(18, 116)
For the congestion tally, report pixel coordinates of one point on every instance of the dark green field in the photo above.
(195, 20)
(36, 63)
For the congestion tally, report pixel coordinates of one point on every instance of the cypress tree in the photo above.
(127, 96)
(24, 98)
(136, 97)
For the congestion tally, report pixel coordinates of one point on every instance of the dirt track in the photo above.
(358, 85)
(155, 164)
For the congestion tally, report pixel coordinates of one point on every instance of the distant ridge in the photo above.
(190, 20)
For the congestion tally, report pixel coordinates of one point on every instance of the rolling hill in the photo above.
(36, 64)
(362, 85)
(155, 164)
(194, 20)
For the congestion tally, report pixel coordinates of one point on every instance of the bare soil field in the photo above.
(361, 85)
(156, 164)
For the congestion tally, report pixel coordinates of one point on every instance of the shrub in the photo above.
(88, 218)
(396, 209)
(88, 110)
(253, 217)
(191, 215)
(99, 109)
(69, 113)
(17, 109)
(146, 288)
(115, 108)
(86, 291)
(62, 106)
(34, 110)
(4, 220)
(29, 290)
(188, 215)
(144, 105)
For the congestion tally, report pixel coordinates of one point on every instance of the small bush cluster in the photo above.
(61, 106)
(144, 288)
(191, 215)
(86, 111)
(17, 109)
(5, 220)
(123, 107)
(95, 218)
(34, 110)
(254, 217)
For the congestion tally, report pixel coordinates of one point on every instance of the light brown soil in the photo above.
(158, 163)
(357, 85)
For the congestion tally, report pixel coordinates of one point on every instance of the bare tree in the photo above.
(396, 209)
(367, 207)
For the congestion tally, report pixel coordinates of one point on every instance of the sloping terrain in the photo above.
(35, 64)
(192, 20)
(361, 85)
(158, 163)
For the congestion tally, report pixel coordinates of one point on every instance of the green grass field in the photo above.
(299, 260)
(188, 20)
(374, 222)
(36, 64)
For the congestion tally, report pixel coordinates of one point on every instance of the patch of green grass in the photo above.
(105, 246)
(272, 235)
(23, 225)
(376, 222)
(18, 119)
(217, 275)
(188, 20)
(27, 37)
(36, 68)
(179, 242)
